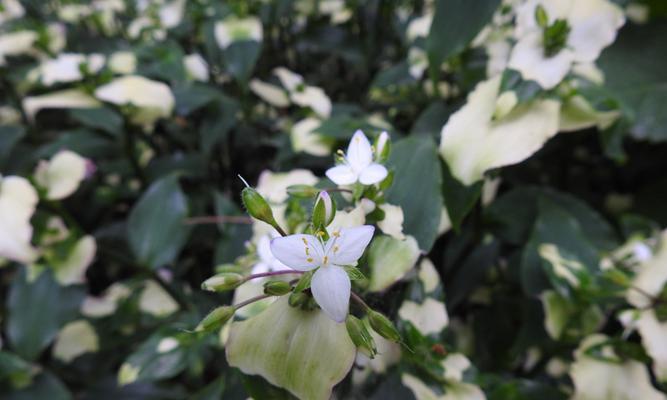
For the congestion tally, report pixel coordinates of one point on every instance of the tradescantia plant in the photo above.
(450, 199)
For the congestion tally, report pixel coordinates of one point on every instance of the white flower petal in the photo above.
(299, 252)
(350, 244)
(342, 175)
(373, 174)
(331, 289)
(359, 152)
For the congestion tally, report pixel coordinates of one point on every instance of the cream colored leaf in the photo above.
(472, 142)
(389, 260)
(306, 352)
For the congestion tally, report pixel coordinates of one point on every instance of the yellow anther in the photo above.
(305, 241)
(336, 233)
(335, 249)
(309, 259)
(319, 233)
(326, 260)
(307, 251)
(340, 152)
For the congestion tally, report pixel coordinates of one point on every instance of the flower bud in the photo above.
(324, 210)
(216, 319)
(302, 191)
(223, 281)
(541, 16)
(382, 147)
(257, 206)
(360, 336)
(383, 326)
(298, 299)
(277, 288)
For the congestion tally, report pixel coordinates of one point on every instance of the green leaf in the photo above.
(304, 282)
(217, 122)
(212, 391)
(192, 97)
(306, 352)
(240, 58)
(103, 118)
(634, 69)
(416, 160)
(576, 257)
(154, 360)
(455, 24)
(37, 309)
(156, 231)
(459, 198)
(14, 371)
(389, 260)
(354, 273)
(9, 136)
(44, 386)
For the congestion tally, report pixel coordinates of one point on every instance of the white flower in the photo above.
(358, 164)
(267, 261)
(593, 25)
(18, 200)
(196, 67)
(10, 9)
(330, 285)
(61, 175)
(233, 29)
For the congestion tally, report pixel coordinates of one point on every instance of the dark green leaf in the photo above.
(459, 199)
(240, 58)
(455, 24)
(156, 229)
(103, 118)
(416, 187)
(37, 310)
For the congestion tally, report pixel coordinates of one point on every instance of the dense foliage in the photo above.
(484, 176)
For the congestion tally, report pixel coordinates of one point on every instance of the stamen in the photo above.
(326, 260)
(309, 259)
(335, 249)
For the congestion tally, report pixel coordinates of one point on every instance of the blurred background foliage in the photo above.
(586, 193)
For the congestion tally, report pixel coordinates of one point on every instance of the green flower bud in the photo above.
(541, 16)
(229, 268)
(382, 147)
(223, 281)
(298, 299)
(302, 191)
(383, 326)
(360, 336)
(277, 288)
(216, 319)
(324, 210)
(257, 206)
